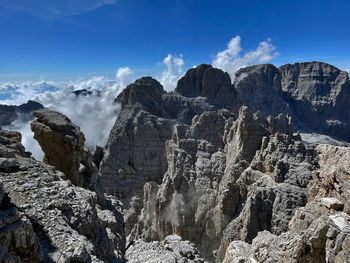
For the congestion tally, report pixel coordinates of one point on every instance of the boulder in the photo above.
(8, 164)
(332, 203)
(64, 147)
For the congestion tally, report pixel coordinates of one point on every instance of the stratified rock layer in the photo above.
(315, 94)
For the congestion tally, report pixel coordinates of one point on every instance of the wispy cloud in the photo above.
(230, 59)
(172, 72)
(54, 8)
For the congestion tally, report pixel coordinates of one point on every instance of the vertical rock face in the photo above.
(259, 87)
(46, 218)
(135, 151)
(319, 95)
(227, 179)
(64, 147)
(315, 94)
(209, 82)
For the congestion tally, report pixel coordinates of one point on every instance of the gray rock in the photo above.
(135, 151)
(333, 160)
(315, 94)
(212, 83)
(10, 143)
(7, 152)
(172, 250)
(18, 241)
(8, 164)
(332, 203)
(259, 87)
(46, 218)
(316, 233)
(226, 181)
(64, 147)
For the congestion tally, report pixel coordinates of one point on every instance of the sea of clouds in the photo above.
(96, 113)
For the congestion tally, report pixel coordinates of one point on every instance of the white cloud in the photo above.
(54, 8)
(124, 76)
(172, 72)
(28, 141)
(230, 59)
(95, 114)
(16, 93)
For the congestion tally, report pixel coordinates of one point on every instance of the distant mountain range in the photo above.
(9, 113)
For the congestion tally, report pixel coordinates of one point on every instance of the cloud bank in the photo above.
(230, 59)
(54, 8)
(95, 113)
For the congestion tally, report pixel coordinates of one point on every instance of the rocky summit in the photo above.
(214, 171)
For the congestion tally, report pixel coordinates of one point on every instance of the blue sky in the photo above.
(66, 39)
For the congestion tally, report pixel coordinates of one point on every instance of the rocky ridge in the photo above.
(194, 162)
